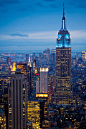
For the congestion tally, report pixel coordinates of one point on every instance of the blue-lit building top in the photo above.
(63, 39)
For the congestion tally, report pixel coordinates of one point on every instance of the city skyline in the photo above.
(25, 24)
(45, 90)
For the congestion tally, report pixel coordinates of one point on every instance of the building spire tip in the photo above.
(63, 19)
(63, 8)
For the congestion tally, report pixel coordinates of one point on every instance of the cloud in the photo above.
(41, 40)
(18, 34)
(78, 36)
(43, 35)
(49, 35)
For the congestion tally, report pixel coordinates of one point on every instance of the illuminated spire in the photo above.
(63, 19)
(14, 67)
(29, 62)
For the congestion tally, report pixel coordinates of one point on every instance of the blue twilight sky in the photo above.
(32, 25)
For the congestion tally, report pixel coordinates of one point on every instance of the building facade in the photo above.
(22, 67)
(34, 114)
(63, 92)
(43, 80)
(17, 102)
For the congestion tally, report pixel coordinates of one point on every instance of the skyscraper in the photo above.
(8, 60)
(29, 78)
(63, 92)
(17, 102)
(27, 57)
(34, 79)
(34, 112)
(43, 80)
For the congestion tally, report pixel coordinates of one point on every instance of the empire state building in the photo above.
(63, 93)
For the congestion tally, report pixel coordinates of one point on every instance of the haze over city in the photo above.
(26, 23)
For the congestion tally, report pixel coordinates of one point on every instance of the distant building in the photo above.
(34, 56)
(29, 77)
(53, 51)
(34, 63)
(17, 102)
(48, 54)
(37, 87)
(35, 76)
(32, 77)
(63, 94)
(27, 58)
(83, 55)
(8, 60)
(43, 80)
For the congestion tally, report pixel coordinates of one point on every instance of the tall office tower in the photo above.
(17, 102)
(83, 55)
(29, 77)
(34, 114)
(42, 91)
(34, 63)
(34, 56)
(48, 54)
(43, 80)
(34, 67)
(53, 58)
(8, 60)
(27, 57)
(43, 97)
(63, 93)
(34, 79)
(76, 57)
(37, 86)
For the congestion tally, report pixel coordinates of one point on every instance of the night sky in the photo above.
(33, 25)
